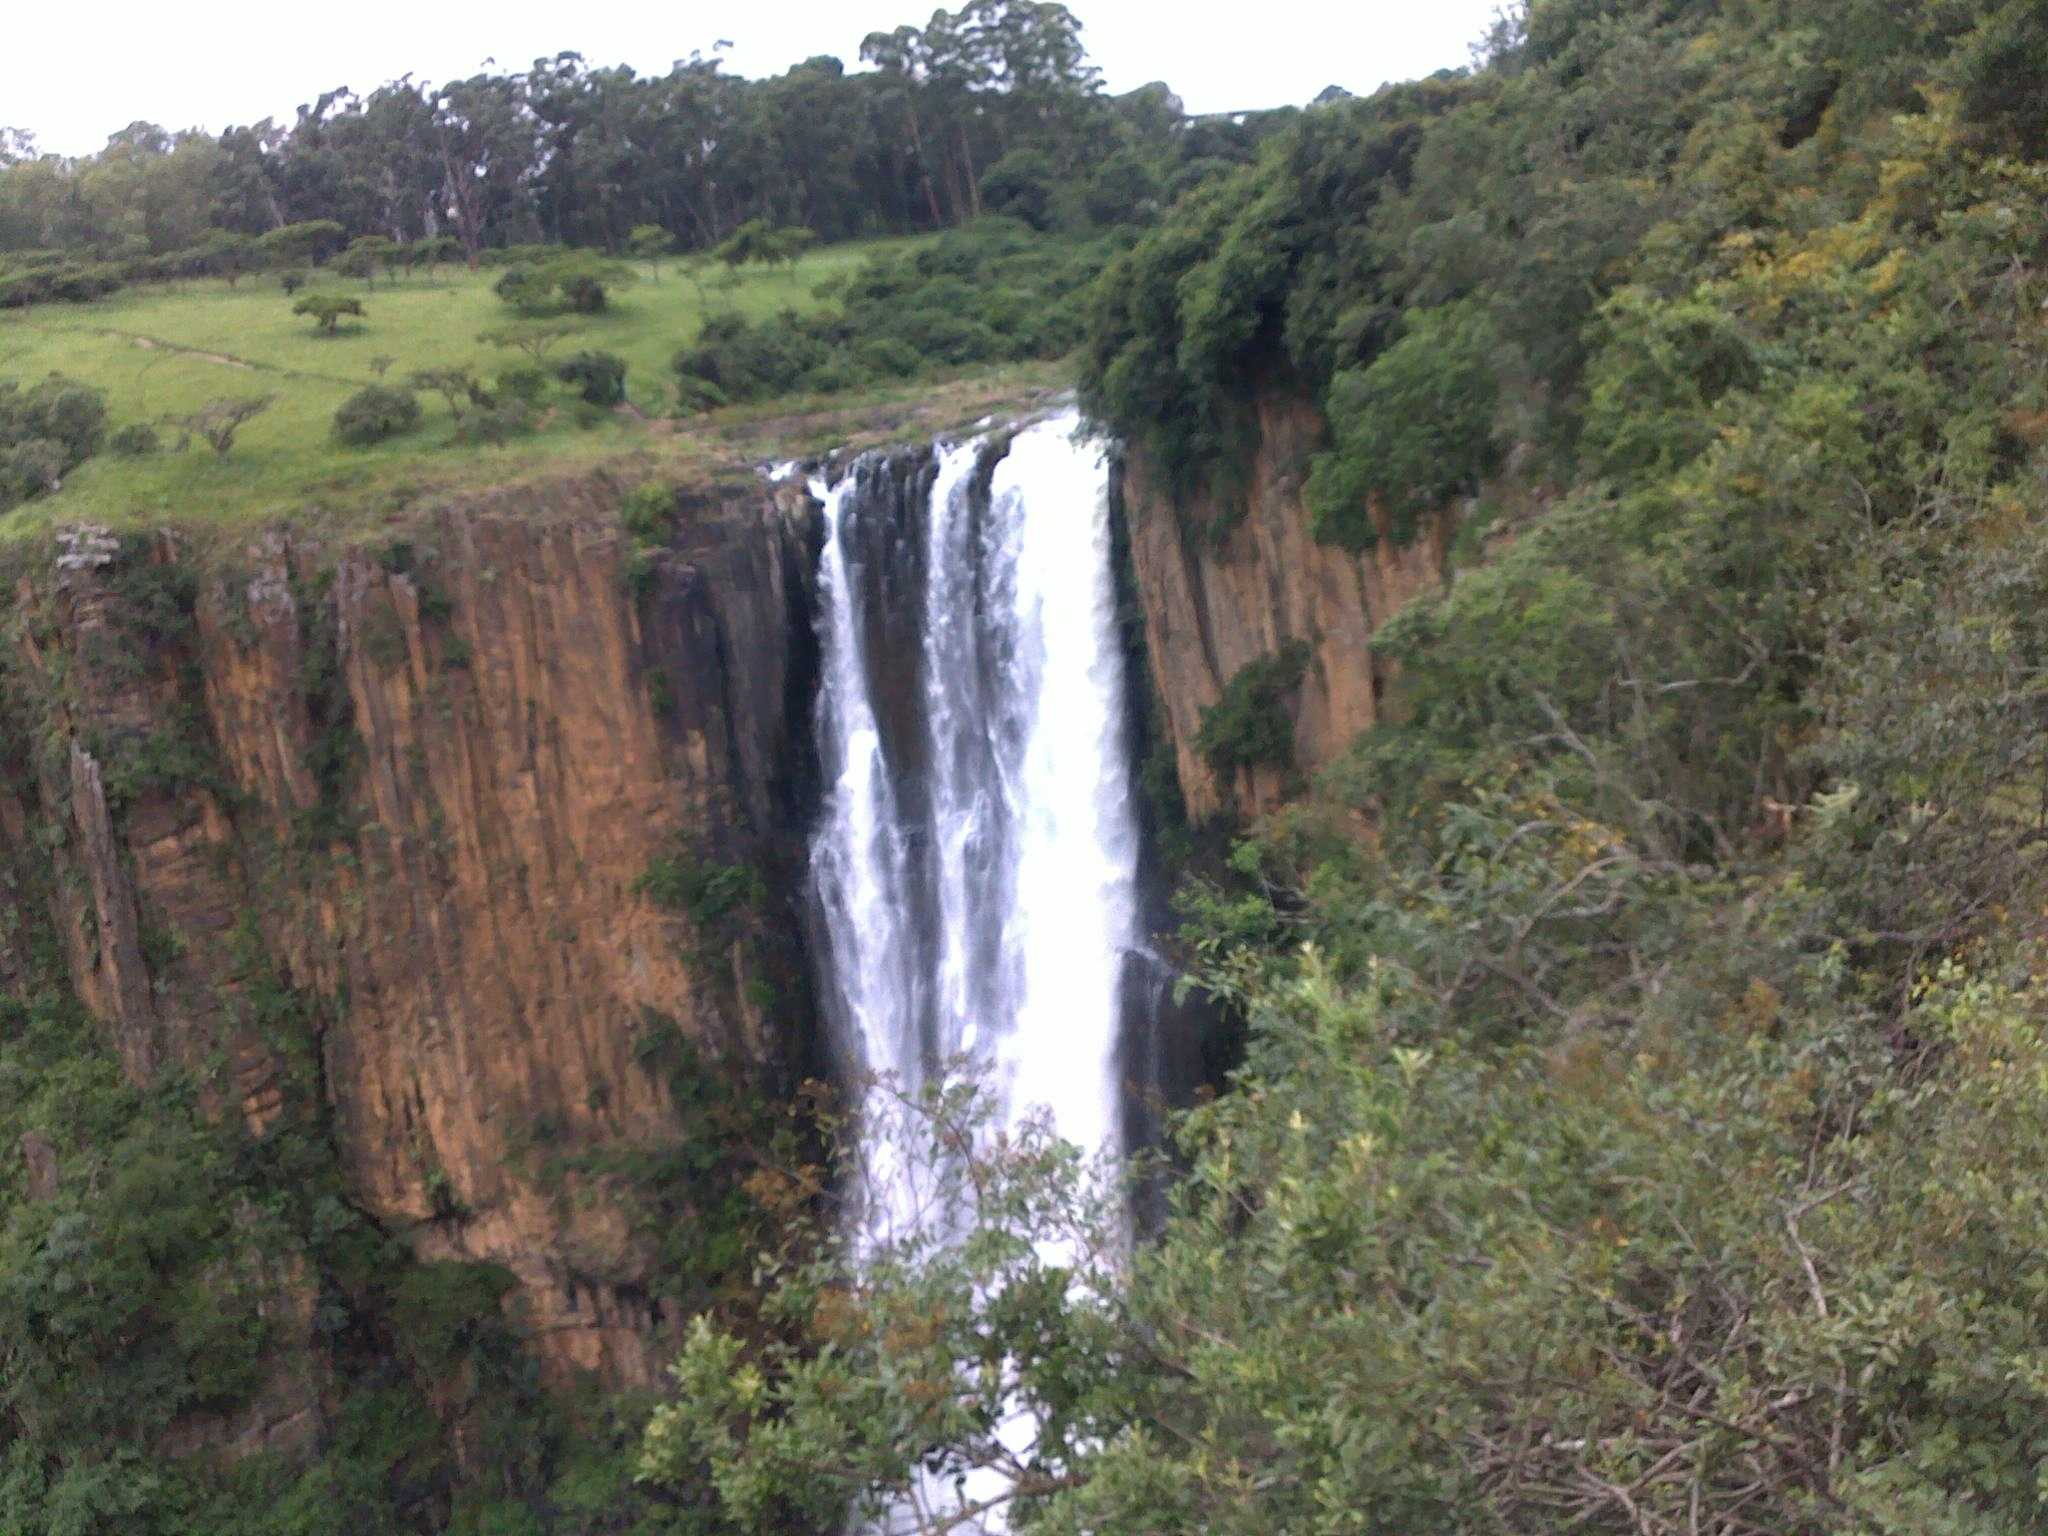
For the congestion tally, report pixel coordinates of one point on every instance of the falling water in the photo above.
(976, 865)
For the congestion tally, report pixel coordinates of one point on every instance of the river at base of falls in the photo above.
(976, 864)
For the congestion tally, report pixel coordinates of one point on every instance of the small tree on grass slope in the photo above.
(327, 309)
(219, 420)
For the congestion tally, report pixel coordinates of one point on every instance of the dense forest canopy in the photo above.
(995, 100)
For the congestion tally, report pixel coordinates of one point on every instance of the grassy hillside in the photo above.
(160, 352)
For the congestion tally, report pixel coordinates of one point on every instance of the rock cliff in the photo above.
(434, 836)
(1214, 604)
(373, 823)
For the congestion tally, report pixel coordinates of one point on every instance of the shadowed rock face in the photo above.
(1211, 607)
(422, 788)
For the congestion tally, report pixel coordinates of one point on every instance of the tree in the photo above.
(930, 1375)
(1412, 430)
(599, 378)
(45, 431)
(375, 413)
(458, 386)
(758, 241)
(365, 254)
(533, 340)
(303, 244)
(1021, 184)
(566, 153)
(527, 289)
(219, 420)
(224, 253)
(327, 310)
(484, 138)
(649, 243)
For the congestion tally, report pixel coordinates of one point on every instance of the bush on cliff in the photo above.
(1409, 431)
(1252, 724)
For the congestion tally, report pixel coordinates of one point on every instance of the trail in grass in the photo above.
(160, 344)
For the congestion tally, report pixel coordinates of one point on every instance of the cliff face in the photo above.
(414, 791)
(366, 832)
(1213, 606)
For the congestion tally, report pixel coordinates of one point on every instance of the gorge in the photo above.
(407, 848)
(1510, 776)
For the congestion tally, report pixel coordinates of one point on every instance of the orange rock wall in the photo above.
(1214, 605)
(524, 730)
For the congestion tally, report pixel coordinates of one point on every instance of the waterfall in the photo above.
(976, 863)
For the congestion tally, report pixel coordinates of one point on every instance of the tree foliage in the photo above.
(759, 241)
(987, 293)
(599, 378)
(46, 431)
(219, 421)
(568, 153)
(375, 413)
(327, 310)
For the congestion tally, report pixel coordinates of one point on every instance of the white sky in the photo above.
(73, 76)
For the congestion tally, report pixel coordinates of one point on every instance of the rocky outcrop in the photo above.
(1214, 604)
(413, 786)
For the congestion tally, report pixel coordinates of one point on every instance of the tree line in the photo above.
(995, 103)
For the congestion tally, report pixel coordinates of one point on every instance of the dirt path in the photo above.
(220, 359)
(224, 359)
(151, 344)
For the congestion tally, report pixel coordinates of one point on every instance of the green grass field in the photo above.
(161, 352)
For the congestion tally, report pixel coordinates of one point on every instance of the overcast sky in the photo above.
(74, 75)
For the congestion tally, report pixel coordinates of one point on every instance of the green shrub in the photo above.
(710, 893)
(599, 378)
(136, 440)
(1410, 431)
(1124, 189)
(888, 358)
(583, 293)
(2004, 70)
(748, 360)
(500, 423)
(1252, 725)
(647, 509)
(1657, 372)
(572, 282)
(527, 289)
(522, 382)
(55, 280)
(375, 413)
(444, 1310)
(1022, 185)
(46, 431)
(992, 292)
(516, 255)
(694, 394)
(758, 240)
(833, 375)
